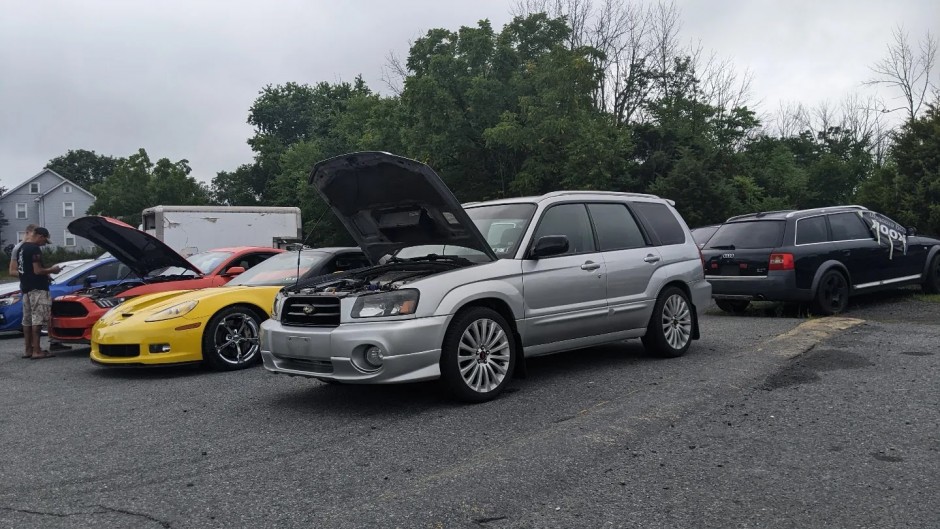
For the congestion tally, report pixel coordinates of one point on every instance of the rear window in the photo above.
(811, 230)
(752, 234)
(662, 221)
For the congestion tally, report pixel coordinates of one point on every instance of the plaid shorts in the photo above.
(36, 308)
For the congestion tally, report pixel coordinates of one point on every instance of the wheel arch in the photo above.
(931, 254)
(831, 265)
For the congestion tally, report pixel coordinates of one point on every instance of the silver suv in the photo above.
(467, 293)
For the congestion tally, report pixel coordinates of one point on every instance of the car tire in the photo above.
(669, 333)
(832, 294)
(734, 306)
(478, 355)
(932, 281)
(230, 340)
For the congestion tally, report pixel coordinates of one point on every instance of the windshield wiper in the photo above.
(436, 257)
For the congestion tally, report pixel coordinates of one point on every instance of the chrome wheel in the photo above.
(483, 355)
(677, 321)
(236, 338)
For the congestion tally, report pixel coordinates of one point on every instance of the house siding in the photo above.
(45, 209)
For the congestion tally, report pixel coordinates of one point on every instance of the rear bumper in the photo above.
(775, 286)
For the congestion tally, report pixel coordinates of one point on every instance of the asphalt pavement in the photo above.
(773, 419)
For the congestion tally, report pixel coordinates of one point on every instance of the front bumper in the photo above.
(777, 285)
(129, 345)
(412, 350)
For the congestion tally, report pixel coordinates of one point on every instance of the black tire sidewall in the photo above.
(932, 282)
(655, 338)
(209, 355)
(822, 305)
(450, 371)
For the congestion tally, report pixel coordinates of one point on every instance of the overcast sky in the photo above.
(177, 77)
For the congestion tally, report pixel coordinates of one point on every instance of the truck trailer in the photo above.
(192, 229)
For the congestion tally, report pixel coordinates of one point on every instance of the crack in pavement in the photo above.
(102, 509)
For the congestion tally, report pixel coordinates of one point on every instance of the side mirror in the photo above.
(549, 245)
(234, 271)
(911, 231)
(89, 280)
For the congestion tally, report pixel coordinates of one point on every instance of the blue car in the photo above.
(100, 272)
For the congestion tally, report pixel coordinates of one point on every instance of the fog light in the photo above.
(374, 356)
(159, 348)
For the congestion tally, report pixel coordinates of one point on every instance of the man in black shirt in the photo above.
(34, 284)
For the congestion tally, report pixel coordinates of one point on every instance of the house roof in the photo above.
(47, 170)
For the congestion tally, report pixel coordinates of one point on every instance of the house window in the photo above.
(34, 188)
(68, 239)
(68, 209)
(67, 189)
(21, 210)
(20, 235)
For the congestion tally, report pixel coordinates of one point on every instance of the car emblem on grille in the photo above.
(309, 309)
(727, 256)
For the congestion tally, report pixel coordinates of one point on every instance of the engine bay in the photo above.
(377, 278)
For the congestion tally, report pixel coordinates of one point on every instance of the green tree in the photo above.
(137, 183)
(83, 167)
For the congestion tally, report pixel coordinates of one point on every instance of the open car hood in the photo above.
(141, 252)
(388, 203)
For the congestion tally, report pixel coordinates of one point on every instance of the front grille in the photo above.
(121, 350)
(67, 332)
(69, 309)
(322, 311)
(306, 364)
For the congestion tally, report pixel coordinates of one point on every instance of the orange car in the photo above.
(149, 266)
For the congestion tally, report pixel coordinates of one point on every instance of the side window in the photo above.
(570, 220)
(811, 230)
(252, 259)
(105, 272)
(848, 227)
(616, 227)
(662, 221)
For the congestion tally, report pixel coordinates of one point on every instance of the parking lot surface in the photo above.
(747, 430)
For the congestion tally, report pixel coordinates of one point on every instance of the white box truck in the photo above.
(192, 229)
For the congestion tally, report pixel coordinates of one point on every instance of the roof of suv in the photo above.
(797, 213)
(556, 194)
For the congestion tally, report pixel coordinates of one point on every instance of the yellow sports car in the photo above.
(216, 325)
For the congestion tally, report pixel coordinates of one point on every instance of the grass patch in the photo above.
(928, 298)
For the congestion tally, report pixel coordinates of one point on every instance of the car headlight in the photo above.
(110, 303)
(10, 299)
(278, 303)
(395, 303)
(174, 311)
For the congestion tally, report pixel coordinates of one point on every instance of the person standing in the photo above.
(34, 284)
(14, 255)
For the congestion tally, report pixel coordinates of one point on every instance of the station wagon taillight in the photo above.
(781, 261)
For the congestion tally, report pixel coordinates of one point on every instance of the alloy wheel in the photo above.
(834, 292)
(677, 321)
(236, 338)
(483, 355)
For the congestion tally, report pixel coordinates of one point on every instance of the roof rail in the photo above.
(863, 208)
(616, 193)
(758, 214)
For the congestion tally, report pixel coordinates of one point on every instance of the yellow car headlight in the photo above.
(174, 311)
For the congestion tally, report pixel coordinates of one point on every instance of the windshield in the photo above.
(280, 269)
(748, 235)
(502, 225)
(205, 261)
(72, 273)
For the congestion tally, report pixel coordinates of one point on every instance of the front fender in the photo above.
(500, 290)
(930, 257)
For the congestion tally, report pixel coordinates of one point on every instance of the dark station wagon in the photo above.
(821, 256)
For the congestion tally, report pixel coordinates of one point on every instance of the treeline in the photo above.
(565, 96)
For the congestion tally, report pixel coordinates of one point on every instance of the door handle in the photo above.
(651, 258)
(590, 265)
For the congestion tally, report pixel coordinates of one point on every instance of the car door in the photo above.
(565, 295)
(630, 260)
(866, 260)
